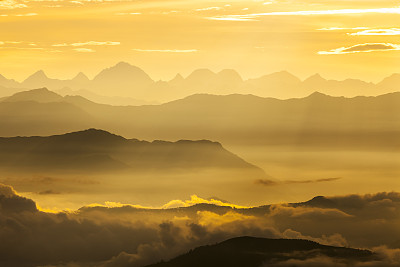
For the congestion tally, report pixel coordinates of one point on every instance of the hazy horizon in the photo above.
(176, 133)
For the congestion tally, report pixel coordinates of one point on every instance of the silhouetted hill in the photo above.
(41, 95)
(96, 150)
(8, 82)
(253, 252)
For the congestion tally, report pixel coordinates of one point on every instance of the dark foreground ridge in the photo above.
(97, 150)
(253, 252)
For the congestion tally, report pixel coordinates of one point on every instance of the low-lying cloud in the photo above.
(125, 235)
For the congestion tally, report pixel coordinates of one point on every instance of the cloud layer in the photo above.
(126, 235)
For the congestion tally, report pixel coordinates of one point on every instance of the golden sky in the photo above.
(336, 38)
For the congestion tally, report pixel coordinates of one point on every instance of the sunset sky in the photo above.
(338, 39)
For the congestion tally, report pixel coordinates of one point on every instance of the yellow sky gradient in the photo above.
(338, 39)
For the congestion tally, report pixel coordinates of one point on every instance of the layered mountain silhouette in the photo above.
(96, 150)
(254, 252)
(316, 120)
(128, 81)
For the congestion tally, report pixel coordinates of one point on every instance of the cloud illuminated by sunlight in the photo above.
(212, 219)
(368, 47)
(194, 199)
(11, 4)
(166, 50)
(84, 50)
(246, 17)
(340, 28)
(393, 31)
(176, 203)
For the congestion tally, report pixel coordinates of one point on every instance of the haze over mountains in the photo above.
(317, 120)
(125, 84)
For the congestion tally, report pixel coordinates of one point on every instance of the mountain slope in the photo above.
(253, 252)
(97, 150)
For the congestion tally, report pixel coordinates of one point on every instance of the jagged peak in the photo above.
(178, 77)
(317, 94)
(315, 77)
(81, 76)
(39, 75)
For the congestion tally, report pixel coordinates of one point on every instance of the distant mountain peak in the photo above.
(40, 95)
(39, 73)
(178, 78)
(317, 94)
(123, 64)
(80, 77)
(91, 135)
(37, 77)
(231, 74)
(316, 77)
(123, 72)
(203, 71)
(283, 76)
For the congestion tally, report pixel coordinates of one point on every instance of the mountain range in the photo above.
(129, 85)
(317, 120)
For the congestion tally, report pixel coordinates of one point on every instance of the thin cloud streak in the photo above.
(339, 29)
(166, 50)
(84, 50)
(374, 32)
(362, 48)
(394, 10)
(89, 43)
(274, 183)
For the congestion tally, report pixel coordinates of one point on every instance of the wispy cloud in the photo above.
(209, 8)
(167, 50)
(247, 17)
(26, 15)
(89, 43)
(359, 48)
(131, 13)
(393, 31)
(312, 181)
(339, 28)
(95, 43)
(233, 18)
(11, 4)
(84, 50)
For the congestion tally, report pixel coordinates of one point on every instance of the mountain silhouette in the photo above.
(41, 95)
(38, 79)
(129, 81)
(122, 75)
(253, 252)
(9, 83)
(80, 78)
(97, 150)
(317, 120)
